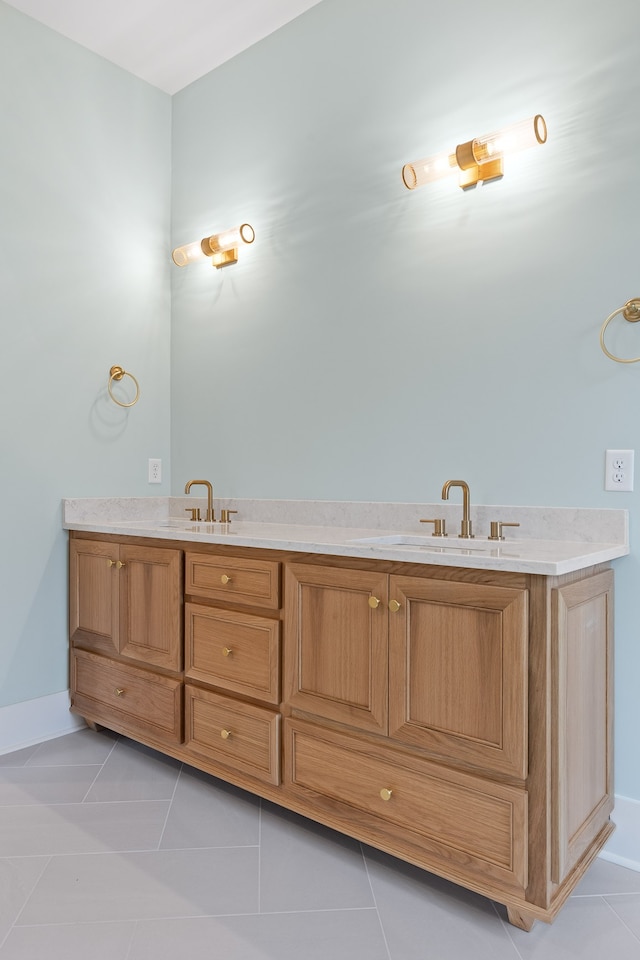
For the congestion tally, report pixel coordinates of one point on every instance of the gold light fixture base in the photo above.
(224, 258)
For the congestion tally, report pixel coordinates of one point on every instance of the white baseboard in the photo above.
(623, 846)
(34, 721)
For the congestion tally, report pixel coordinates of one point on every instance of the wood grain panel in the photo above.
(239, 580)
(237, 651)
(252, 742)
(336, 661)
(93, 592)
(458, 671)
(582, 713)
(140, 700)
(484, 822)
(150, 583)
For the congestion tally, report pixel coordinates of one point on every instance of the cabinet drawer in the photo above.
(235, 734)
(236, 651)
(114, 693)
(234, 579)
(475, 826)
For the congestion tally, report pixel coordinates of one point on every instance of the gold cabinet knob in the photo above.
(110, 563)
(120, 564)
(394, 606)
(225, 734)
(226, 651)
(374, 602)
(119, 691)
(386, 794)
(225, 579)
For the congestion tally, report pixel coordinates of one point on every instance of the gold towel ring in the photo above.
(631, 312)
(117, 373)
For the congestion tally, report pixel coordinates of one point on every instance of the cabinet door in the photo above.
(458, 671)
(336, 644)
(150, 585)
(93, 594)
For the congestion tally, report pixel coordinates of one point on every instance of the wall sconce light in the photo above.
(221, 248)
(478, 159)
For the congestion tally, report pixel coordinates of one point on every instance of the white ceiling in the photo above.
(169, 43)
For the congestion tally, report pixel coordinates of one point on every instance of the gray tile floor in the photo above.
(109, 851)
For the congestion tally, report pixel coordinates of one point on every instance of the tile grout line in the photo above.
(620, 920)
(172, 798)
(506, 927)
(375, 902)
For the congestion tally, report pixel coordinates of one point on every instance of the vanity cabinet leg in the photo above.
(519, 919)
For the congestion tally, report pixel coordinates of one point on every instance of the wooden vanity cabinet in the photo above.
(232, 664)
(458, 719)
(125, 618)
(430, 663)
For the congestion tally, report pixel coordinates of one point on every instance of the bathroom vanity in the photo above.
(448, 703)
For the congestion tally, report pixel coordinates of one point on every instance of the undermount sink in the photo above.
(188, 524)
(429, 543)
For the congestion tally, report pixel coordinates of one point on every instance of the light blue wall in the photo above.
(374, 342)
(84, 284)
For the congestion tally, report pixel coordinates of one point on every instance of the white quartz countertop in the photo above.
(405, 540)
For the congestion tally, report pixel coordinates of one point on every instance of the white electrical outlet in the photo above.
(155, 471)
(618, 471)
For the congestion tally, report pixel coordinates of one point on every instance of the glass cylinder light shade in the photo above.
(229, 239)
(209, 246)
(430, 168)
(519, 136)
(189, 253)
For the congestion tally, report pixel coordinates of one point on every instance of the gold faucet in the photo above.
(465, 526)
(210, 516)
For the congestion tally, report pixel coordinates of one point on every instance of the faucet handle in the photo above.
(225, 515)
(194, 511)
(496, 529)
(438, 527)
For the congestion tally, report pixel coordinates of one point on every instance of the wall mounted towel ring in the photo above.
(117, 373)
(631, 312)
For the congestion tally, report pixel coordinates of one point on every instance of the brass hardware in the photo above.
(210, 516)
(224, 258)
(439, 527)
(111, 563)
(631, 312)
(386, 794)
(117, 373)
(226, 652)
(225, 515)
(120, 564)
(225, 579)
(373, 602)
(466, 532)
(496, 529)
(220, 248)
(471, 170)
(394, 606)
(479, 159)
(194, 511)
(225, 734)
(119, 691)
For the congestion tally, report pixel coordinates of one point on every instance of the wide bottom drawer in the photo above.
(114, 693)
(240, 736)
(475, 826)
